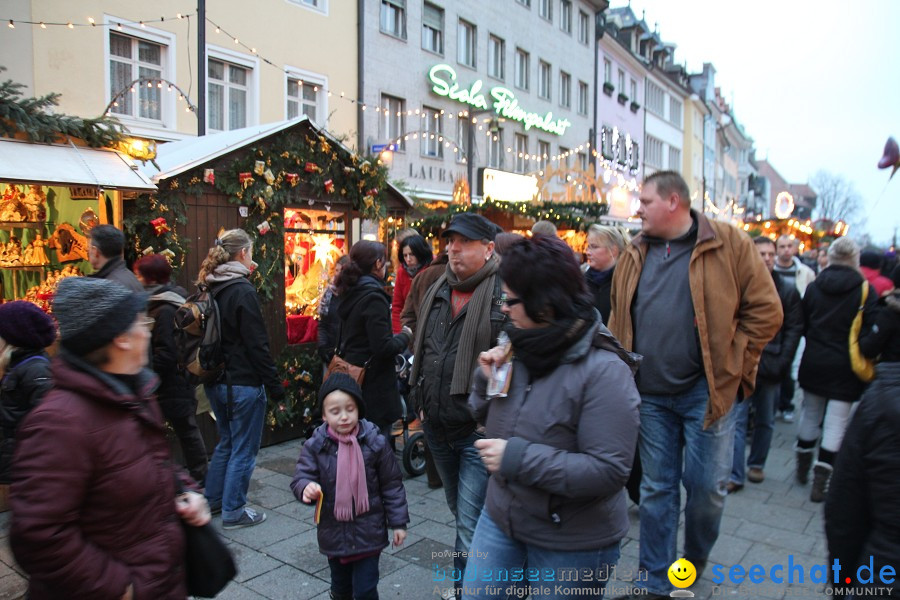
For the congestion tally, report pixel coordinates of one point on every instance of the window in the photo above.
(393, 18)
(583, 98)
(654, 100)
(521, 152)
(129, 59)
(621, 81)
(465, 44)
(226, 95)
(317, 5)
(565, 89)
(392, 124)
(433, 29)
(305, 97)
(495, 149)
(522, 60)
(496, 57)
(462, 138)
(525, 3)
(674, 159)
(635, 157)
(584, 27)
(565, 15)
(432, 132)
(545, 9)
(675, 111)
(543, 154)
(563, 163)
(634, 97)
(607, 71)
(582, 161)
(653, 149)
(544, 79)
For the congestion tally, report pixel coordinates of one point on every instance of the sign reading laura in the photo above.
(505, 104)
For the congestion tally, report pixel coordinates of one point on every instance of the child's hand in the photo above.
(311, 492)
(399, 537)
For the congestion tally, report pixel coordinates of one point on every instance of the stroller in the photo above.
(410, 432)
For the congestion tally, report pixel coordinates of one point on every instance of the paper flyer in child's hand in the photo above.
(319, 507)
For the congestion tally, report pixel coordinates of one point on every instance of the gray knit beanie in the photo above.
(92, 312)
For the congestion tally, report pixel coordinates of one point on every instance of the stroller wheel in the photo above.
(414, 454)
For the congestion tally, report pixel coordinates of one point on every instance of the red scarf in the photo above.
(351, 476)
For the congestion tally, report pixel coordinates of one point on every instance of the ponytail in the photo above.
(225, 248)
(363, 256)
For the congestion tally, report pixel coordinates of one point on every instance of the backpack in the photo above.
(198, 334)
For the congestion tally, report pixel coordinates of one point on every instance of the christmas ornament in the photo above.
(245, 179)
(270, 177)
(261, 203)
(349, 170)
(323, 145)
(329, 186)
(365, 166)
(264, 228)
(170, 256)
(292, 178)
(269, 192)
(259, 166)
(209, 176)
(311, 201)
(312, 167)
(368, 201)
(159, 226)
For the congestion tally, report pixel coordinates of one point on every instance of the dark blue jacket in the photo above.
(387, 498)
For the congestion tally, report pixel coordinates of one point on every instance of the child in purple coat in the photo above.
(349, 463)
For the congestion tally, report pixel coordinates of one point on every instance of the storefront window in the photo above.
(313, 242)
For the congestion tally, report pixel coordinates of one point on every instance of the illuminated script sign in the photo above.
(503, 100)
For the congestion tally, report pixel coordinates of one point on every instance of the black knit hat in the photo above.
(346, 384)
(24, 325)
(92, 312)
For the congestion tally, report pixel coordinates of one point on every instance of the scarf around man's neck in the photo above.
(350, 484)
(476, 332)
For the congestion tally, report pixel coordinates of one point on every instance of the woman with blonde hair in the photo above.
(604, 246)
(238, 398)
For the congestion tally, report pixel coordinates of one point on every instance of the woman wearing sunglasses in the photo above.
(560, 433)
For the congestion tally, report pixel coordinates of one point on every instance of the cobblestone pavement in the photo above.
(766, 524)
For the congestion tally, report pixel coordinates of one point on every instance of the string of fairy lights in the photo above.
(611, 170)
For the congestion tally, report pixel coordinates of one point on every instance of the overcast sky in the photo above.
(816, 84)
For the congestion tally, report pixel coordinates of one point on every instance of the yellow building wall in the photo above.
(72, 61)
(692, 156)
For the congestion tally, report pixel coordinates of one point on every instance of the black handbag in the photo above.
(208, 563)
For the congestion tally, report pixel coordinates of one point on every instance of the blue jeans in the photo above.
(357, 580)
(465, 484)
(493, 554)
(675, 449)
(763, 399)
(228, 478)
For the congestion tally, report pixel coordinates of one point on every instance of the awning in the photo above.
(52, 164)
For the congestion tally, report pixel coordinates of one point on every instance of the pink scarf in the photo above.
(351, 477)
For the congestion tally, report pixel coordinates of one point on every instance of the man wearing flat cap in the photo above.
(459, 318)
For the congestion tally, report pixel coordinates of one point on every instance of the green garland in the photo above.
(147, 237)
(300, 372)
(269, 176)
(570, 215)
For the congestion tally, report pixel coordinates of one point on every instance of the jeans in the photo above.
(675, 449)
(465, 484)
(357, 580)
(234, 458)
(494, 553)
(763, 399)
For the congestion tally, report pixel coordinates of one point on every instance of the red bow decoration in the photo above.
(245, 179)
(312, 167)
(209, 176)
(292, 178)
(329, 186)
(160, 226)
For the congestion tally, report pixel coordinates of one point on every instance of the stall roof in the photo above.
(56, 164)
(174, 158)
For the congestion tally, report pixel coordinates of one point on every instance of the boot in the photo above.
(821, 477)
(804, 462)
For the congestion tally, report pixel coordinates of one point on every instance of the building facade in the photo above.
(258, 70)
(453, 87)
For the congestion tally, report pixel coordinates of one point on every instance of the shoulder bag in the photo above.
(863, 368)
(339, 365)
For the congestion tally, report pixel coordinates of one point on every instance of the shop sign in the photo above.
(507, 187)
(503, 101)
(431, 173)
(83, 192)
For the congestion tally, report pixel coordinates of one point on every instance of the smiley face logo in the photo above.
(682, 573)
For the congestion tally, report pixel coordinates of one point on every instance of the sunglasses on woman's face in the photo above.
(510, 302)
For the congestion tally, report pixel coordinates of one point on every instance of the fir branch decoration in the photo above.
(570, 215)
(31, 117)
(300, 371)
(138, 226)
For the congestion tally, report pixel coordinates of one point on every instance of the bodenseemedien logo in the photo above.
(682, 574)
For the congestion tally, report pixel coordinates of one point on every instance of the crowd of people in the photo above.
(549, 392)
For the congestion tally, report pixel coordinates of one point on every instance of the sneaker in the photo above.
(755, 475)
(248, 519)
(788, 416)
